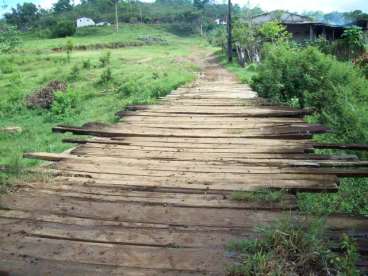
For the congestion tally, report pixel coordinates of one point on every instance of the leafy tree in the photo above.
(351, 45)
(24, 16)
(62, 6)
(63, 28)
(274, 31)
(9, 38)
(200, 6)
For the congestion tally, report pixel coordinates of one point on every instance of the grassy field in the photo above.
(102, 82)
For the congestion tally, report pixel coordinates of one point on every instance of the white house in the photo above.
(85, 22)
(103, 23)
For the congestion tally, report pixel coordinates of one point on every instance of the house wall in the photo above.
(300, 33)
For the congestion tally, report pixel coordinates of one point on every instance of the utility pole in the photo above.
(229, 36)
(116, 16)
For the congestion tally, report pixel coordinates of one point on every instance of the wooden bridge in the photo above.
(150, 195)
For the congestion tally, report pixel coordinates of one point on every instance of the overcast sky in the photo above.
(268, 5)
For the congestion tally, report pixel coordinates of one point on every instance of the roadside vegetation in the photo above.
(293, 247)
(41, 88)
(331, 78)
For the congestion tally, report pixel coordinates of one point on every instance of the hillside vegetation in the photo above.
(99, 83)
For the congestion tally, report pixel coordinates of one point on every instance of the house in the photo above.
(103, 23)
(219, 21)
(301, 27)
(85, 22)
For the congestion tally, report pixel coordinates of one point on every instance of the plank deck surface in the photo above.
(151, 195)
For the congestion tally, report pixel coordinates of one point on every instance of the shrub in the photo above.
(86, 64)
(9, 38)
(64, 102)
(105, 59)
(362, 63)
(105, 77)
(69, 48)
(74, 73)
(336, 90)
(63, 28)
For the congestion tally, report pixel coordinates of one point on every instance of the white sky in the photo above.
(268, 5)
(307, 5)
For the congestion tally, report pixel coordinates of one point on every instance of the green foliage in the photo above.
(336, 90)
(362, 63)
(74, 73)
(63, 28)
(86, 64)
(62, 6)
(217, 37)
(105, 77)
(351, 198)
(262, 195)
(293, 247)
(351, 45)
(24, 16)
(274, 31)
(9, 38)
(64, 103)
(69, 48)
(105, 59)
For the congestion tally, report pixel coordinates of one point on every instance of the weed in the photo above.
(105, 77)
(69, 48)
(105, 59)
(262, 195)
(293, 247)
(74, 73)
(86, 64)
(64, 102)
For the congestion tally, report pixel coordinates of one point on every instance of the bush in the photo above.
(336, 90)
(63, 28)
(9, 38)
(64, 102)
(74, 73)
(362, 63)
(105, 59)
(105, 77)
(86, 64)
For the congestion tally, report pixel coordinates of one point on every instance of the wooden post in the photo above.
(229, 36)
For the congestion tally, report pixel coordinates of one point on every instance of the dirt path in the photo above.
(151, 194)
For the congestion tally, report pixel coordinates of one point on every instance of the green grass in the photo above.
(245, 75)
(138, 76)
(97, 35)
(293, 247)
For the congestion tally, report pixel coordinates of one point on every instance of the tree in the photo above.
(200, 6)
(24, 16)
(9, 38)
(274, 31)
(62, 6)
(353, 42)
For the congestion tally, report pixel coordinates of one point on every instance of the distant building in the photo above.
(85, 22)
(103, 23)
(220, 21)
(301, 27)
